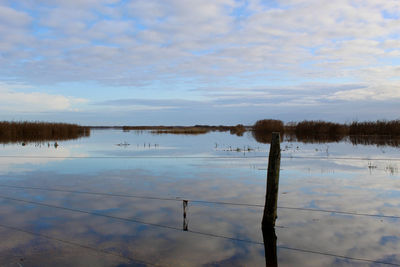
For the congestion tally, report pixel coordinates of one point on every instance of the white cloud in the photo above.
(170, 36)
(381, 92)
(12, 100)
(12, 17)
(192, 45)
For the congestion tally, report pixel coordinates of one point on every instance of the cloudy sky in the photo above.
(146, 62)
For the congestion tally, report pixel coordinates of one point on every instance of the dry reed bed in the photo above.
(13, 132)
(192, 130)
(369, 132)
(311, 128)
(304, 131)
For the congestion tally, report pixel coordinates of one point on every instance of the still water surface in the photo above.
(50, 216)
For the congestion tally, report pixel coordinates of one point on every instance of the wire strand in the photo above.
(200, 201)
(77, 244)
(200, 233)
(197, 157)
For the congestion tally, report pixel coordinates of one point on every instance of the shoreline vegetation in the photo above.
(31, 132)
(379, 132)
(314, 128)
(196, 129)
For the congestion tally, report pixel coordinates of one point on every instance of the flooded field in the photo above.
(116, 199)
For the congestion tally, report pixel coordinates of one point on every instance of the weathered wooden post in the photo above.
(271, 199)
(271, 202)
(185, 222)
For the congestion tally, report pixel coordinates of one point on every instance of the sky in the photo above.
(186, 62)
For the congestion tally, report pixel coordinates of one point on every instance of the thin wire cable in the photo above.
(90, 213)
(342, 212)
(200, 201)
(130, 196)
(77, 244)
(196, 157)
(337, 158)
(130, 157)
(201, 233)
(339, 256)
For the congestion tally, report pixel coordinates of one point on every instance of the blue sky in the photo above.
(148, 62)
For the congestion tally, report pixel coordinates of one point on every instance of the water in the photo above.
(49, 215)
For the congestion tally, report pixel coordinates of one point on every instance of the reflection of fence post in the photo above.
(271, 199)
(269, 238)
(185, 222)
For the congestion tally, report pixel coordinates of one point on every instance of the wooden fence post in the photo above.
(185, 221)
(271, 199)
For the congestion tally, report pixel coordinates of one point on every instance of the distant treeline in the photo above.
(13, 132)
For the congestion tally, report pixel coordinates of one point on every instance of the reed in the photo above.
(263, 129)
(379, 132)
(268, 126)
(13, 132)
(380, 127)
(320, 128)
(239, 129)
(183, 130)
(375, 140)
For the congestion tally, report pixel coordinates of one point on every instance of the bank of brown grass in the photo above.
(196, 129)
(322, 131)
(239, 130)
(263, 129)
(320, 128)
(377, 140)
(380, 127)
(268, 126)
(181, 130)
(13, 132)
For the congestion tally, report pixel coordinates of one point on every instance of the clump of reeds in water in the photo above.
(380, 127)
(14, 132)
(239, 130)
(263, 129)
(320, 131)
(310, 128)
(182, 130)
(371, 132)
(377, 140)
(189, 130)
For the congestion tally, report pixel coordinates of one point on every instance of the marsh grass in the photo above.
(380, 133)
(377, 140)
(263, 129)
(268, 126)
(183, 130)
(14, 132)
(321, 128)
(380, 127)
(189, 130)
